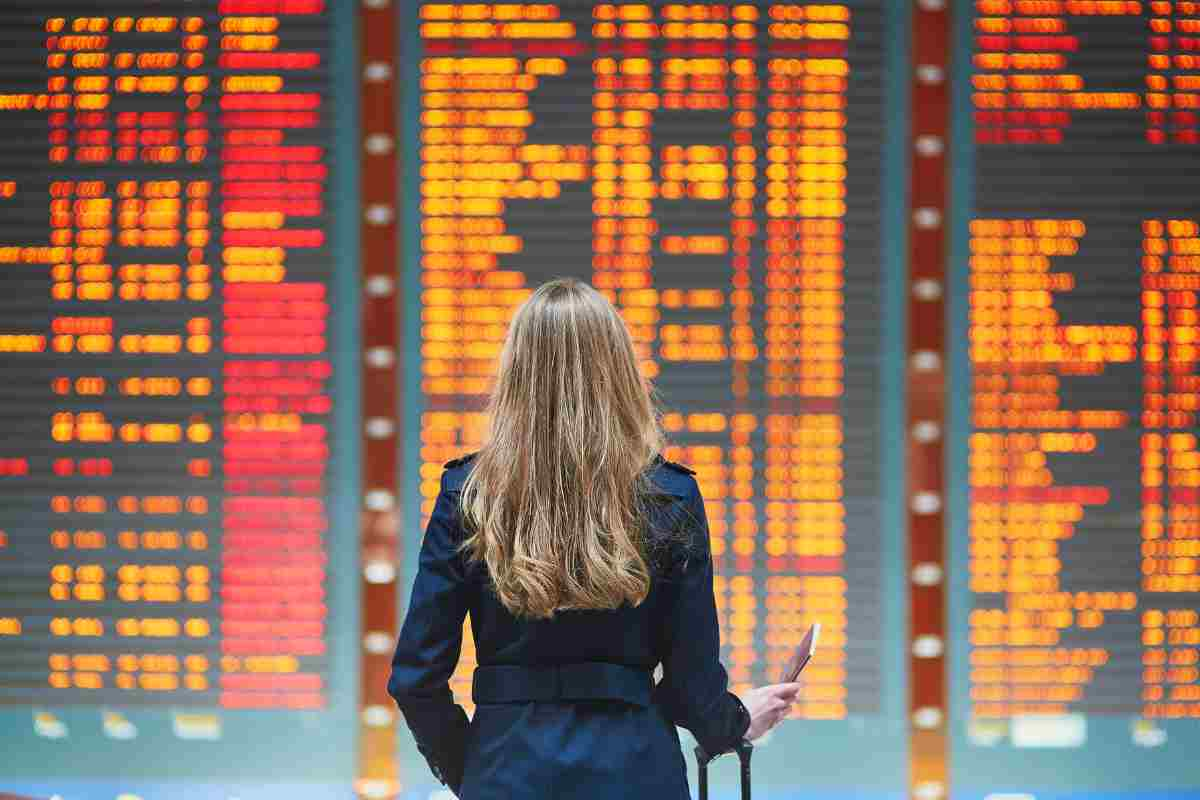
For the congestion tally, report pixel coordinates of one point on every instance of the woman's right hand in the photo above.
(768, 706)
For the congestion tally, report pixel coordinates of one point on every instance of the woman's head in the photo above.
(552, 501)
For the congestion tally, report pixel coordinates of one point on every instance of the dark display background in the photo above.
(1098, 175)
(178, 582)
(1093, 701)
(853, 700)
(561, 107)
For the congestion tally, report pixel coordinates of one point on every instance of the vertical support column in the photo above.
(377, 767)
(928, 769)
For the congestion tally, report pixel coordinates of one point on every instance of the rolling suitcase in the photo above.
(744, 750)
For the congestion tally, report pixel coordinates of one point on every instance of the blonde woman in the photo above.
(583, 558)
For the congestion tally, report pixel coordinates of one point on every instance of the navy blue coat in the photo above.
(567, 708)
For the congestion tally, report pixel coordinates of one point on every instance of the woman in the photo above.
(583, 558)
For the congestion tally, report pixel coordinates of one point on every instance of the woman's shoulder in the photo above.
(674, 466)
(672, 477)
(455, 471)
(460, 461)
(676, 534)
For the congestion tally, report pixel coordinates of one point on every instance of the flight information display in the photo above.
(1078, 273)
(165, 300)
(715, 170)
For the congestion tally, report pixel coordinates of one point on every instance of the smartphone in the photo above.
(804, 651)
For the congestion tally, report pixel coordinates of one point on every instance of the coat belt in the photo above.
(592, 680)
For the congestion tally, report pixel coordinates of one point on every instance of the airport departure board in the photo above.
(715, 170)
(1078, 276)
(165, 415)
(164, 336)
(177, 317)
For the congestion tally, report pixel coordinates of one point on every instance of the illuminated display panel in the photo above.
(166, 270)
(1078, 286)
(714, 169)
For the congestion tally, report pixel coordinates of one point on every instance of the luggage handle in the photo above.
(744, 750)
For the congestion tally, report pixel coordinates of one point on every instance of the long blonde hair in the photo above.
(552, 504)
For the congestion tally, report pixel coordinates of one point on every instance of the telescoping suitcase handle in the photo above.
(744, 750)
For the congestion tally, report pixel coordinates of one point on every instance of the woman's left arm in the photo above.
(429, 646)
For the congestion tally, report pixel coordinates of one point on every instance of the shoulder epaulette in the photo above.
(454, 462)
(678, 467)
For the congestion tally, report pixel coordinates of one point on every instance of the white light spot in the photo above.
(927, 717)
(379, 500)
(380, 357)
(926, 431)
(929, 790)
(376, 716)
(927, 217)
(379, 427)
(927, 289)
(379, 214)
(379, 572)
(930, 74)
(927, 646)
(928, 145)
(377, 642)
(380, 285)
(1146, 733)
(926, 361)
(987, 732)
(1048, 730)
(374, 789)
(378, 144)
(926, 503)
(927, 573)
(376, 71)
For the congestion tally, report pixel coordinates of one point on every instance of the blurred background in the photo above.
(917, 282)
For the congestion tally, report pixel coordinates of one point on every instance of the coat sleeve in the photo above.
(429, 647)
(694, 686)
